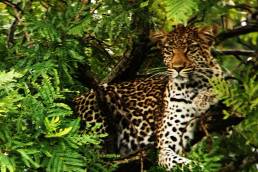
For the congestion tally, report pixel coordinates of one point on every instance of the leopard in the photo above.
(161, 111)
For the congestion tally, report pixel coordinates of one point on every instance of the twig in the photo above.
(11, 4)
(142, 162)
(92, 11)
(18, 14)
(99, 45)
(246, 45)
(136, 156)
(203, 121)
(204, 127)
(127, 160)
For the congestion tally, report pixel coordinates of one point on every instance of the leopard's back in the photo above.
(134, 105)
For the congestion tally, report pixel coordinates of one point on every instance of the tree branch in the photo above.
(248, 53)
(96, 44)
(18, 15)
(136, 156)
(10, 40)
(236, 32)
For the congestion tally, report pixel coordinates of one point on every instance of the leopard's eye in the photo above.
(168, 51)
(194, 45)
(192, 48)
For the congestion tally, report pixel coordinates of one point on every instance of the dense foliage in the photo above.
(44, 42)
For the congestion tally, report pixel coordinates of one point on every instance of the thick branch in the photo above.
(235, 52)
(12, 29)
(236, 32)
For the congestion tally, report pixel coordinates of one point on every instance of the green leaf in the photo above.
(7, 77)
(6, 164)
(175, 11)
(27, 159)
(59, 132)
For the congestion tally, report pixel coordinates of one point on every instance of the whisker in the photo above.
(157, 68)
(205, 76)
(159, 73)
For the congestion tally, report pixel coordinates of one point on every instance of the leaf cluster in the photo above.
(243, 100)
(174, 12)
(36, 131)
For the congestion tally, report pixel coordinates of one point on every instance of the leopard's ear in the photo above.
(158, 37)
(208, 34)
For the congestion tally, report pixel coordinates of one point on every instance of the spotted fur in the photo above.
(161, 110)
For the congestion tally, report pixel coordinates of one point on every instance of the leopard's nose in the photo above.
(178, 68)
(180, 61)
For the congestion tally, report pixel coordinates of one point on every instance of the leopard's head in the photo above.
(186, 50)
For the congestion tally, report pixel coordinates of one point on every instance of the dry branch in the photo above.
(136, 156)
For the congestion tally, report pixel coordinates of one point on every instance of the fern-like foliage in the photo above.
(207, 158)
(9, 98)
(243, 99)
(175, 11)
(35, 131)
